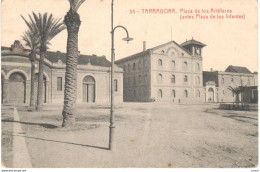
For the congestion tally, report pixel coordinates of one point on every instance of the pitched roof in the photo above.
(5, 48)
(192, 41)
(82, 60)
(150, 49)
(237, 69)
(55, 56)
(170, 43)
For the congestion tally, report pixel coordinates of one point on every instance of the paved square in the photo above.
(146, 135)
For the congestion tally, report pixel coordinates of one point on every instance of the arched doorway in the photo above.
(160, 94)
(210, 95)
(88, 87)
(17, 90)
(44, 88)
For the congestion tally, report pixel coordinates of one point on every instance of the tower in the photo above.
(194, 47)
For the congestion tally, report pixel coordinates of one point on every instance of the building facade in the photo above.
(93, 78)
(217, 83)
(169, 72)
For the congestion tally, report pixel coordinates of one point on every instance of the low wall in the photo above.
(246, 107)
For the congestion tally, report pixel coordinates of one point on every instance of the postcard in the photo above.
(129, 84)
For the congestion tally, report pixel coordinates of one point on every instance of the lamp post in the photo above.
(112, 125)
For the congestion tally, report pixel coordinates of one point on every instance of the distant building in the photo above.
(249, 94)
(93, 77)
(216, 83)
(168, 72)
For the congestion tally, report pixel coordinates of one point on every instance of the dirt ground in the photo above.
(7, 138)
(146, 135)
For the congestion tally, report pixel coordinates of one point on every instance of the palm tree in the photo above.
(236, 91)
(72, 21)
(32, 41)
(46, 28)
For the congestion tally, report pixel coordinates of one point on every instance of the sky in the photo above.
(229, 41)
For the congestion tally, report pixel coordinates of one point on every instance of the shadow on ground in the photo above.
(57, 141)
(50, 126)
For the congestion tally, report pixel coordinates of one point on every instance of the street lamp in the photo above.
(127, 38)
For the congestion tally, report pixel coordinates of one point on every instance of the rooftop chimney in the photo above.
(144, 45)
(211, 69)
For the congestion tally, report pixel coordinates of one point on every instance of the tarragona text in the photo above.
(182, 10)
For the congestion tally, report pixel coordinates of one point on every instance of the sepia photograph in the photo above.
(129, 84)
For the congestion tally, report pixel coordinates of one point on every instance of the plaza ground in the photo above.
(146, 135)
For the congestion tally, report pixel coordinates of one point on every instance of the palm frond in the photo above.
(45, 26)
(31, 40)
(75, 4)
(236, 90)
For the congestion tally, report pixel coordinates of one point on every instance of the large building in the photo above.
(93, 77)
(217, 83)
(168, 72)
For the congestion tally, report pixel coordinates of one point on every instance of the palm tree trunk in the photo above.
(72, 22)
(40, 81)
(32, 102)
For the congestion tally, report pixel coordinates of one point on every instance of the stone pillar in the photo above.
(5, 91)
(27, 91)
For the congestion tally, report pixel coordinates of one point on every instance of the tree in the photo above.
(72, 21)
(46, 28)
(32, 41)
(236, 91)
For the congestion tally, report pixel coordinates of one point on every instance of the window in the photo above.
(124, 67)
(129, 81)
(145, 78)
(139, 65)
(241, 82)
(232, 79)
(185, 78)
(129, 67)
(173, 64)
(197, 80)
(173, 79)
(185, 65)
(145, 63)
(223, 80)
(134, 67)
(198, 67)
(173, 94)
(115, 85)
(159, 78)
(59, 83)
(160, 93)
(248, 82)
(160, 62)
(185, 93)
(134, 80)
(140, 79)
(198, 93)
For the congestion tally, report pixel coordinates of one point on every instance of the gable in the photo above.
(171, 49)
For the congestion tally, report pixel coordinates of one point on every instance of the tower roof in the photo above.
(192, 42)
